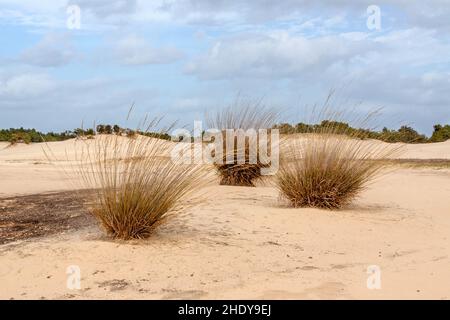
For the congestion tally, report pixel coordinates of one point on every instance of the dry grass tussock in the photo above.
(241, 117)
(324, 169)
(136, 182)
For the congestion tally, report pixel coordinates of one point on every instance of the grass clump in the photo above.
(136, 182)
(237, 166)
(327, 169)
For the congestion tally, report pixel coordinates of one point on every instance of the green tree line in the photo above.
(13, 135)
(27, 136)
(404, 134)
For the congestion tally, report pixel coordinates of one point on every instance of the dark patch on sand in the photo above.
(114, 285)
(40, 215)
(420, 163)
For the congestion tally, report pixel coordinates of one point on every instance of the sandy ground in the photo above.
(244, 243)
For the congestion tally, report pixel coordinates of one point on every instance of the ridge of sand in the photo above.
(26, 169)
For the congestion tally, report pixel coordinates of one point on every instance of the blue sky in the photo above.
(182, 58)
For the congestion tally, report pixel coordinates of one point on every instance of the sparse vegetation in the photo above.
(136, 185)
(404, 134)
(329, 166)
(441, 133)
(22, 135)
(251, 116)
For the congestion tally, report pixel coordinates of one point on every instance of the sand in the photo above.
(244, 243)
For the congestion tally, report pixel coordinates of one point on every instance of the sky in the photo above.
(67, 62)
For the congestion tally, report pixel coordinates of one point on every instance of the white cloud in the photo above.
(35, 14)
(106, 8)
(52, 51)
(47, 102)
(281, 47)
(134, 50)
(404, 70)
(432, 14)
(25, 86)
(274, 55)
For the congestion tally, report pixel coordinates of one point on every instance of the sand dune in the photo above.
(439, 150)
(25, 169)
(244, 243)
(422, 151)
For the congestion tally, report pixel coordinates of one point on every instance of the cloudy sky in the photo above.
(185, 57)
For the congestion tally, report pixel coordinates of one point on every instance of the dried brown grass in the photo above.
(328, 168)
(242, 117)
(136, 182)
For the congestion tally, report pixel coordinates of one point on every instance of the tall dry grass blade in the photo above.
(242, 116)
(135, 183)
(331, 165)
